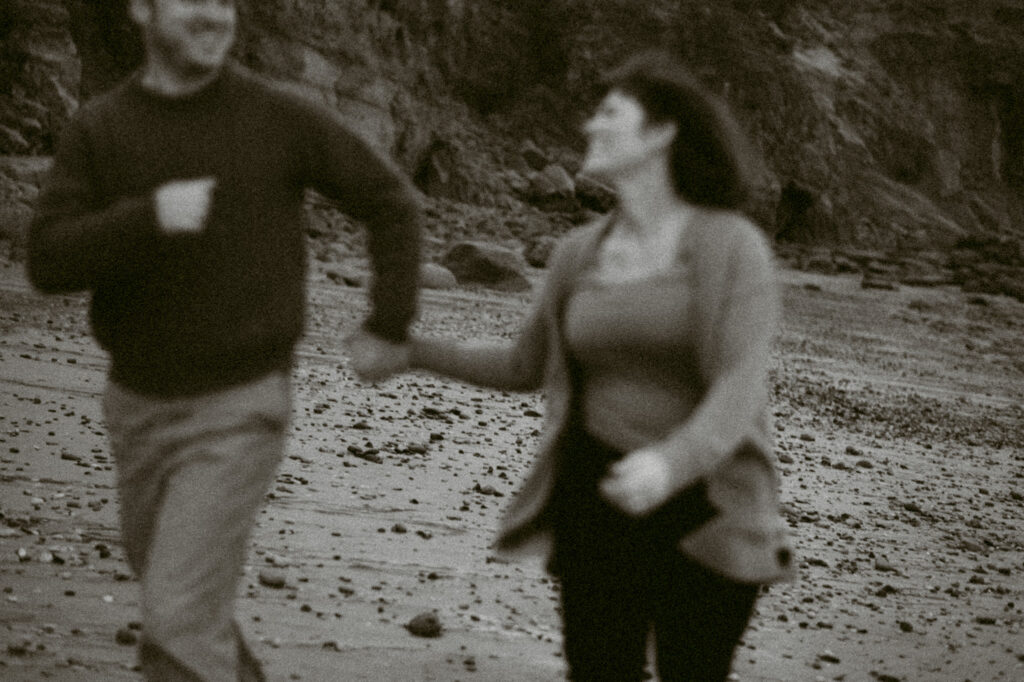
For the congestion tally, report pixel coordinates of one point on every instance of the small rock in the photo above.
(349, 279)
(885, 591)
(871, 281)
(972, 546)
(126, 636)
(487, 490)
(425, 625)
(21, 647)
(533, 156)
(538, 250)
(272, 579)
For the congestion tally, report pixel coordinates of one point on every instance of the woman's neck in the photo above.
(648, 201)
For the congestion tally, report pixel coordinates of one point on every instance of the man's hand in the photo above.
(182, 206)
(374, 358)
(638, 483)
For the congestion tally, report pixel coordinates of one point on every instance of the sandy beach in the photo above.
(900, 437)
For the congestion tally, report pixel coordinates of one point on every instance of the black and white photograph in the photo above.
(512, 341)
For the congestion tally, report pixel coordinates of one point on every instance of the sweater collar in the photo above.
(207, 92)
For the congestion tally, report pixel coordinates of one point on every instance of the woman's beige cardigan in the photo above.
(725, 440)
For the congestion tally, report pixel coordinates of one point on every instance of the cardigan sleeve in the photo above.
(518, 365)
(76, 240)
(735, 355)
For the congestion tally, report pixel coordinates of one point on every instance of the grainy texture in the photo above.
(899, 432)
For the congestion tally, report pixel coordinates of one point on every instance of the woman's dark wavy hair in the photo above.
(710, 157)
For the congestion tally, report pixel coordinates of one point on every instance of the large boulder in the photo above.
(39, 75)
(442, 171)
(474, 262)
(434, 276)
(533, 156)
(593, 194)
(802, 215)
(20, 179)
(538, 250)
(553, 189)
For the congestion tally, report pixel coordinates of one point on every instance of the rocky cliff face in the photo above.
(882, 123)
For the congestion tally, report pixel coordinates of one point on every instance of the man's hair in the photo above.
(710, 158)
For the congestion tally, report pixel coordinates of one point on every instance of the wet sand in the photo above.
(900, 435)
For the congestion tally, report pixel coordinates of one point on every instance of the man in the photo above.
(176, 199)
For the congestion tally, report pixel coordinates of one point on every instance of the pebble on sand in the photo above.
(273, 579)
(426, 624)
(126, 636)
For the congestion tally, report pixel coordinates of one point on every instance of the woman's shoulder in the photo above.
(732, 224)
(577, 241)
(729, 232)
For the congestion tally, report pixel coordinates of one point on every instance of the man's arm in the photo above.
(343, 168)
(75, 240)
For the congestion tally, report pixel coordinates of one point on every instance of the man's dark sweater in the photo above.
(182, 314)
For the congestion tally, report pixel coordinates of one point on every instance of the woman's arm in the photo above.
(516, 365)
(513, 366)
(735, 363)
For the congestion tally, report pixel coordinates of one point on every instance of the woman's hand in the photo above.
(638, 483)
(374, 359)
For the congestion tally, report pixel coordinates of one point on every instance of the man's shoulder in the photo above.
(105, 103)
(280, 95)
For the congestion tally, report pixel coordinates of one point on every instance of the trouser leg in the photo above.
(193, 473)
(699, 621)
(604, 619)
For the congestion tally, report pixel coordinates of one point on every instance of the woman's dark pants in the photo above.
(620, 577)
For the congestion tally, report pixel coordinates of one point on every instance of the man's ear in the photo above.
(140, 11)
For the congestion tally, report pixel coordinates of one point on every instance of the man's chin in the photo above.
(208, 61)
(199, 67)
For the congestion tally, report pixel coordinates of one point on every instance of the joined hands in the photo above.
(374, 358)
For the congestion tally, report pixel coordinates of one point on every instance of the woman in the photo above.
(653, 489)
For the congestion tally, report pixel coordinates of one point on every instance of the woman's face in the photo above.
(619, 139)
